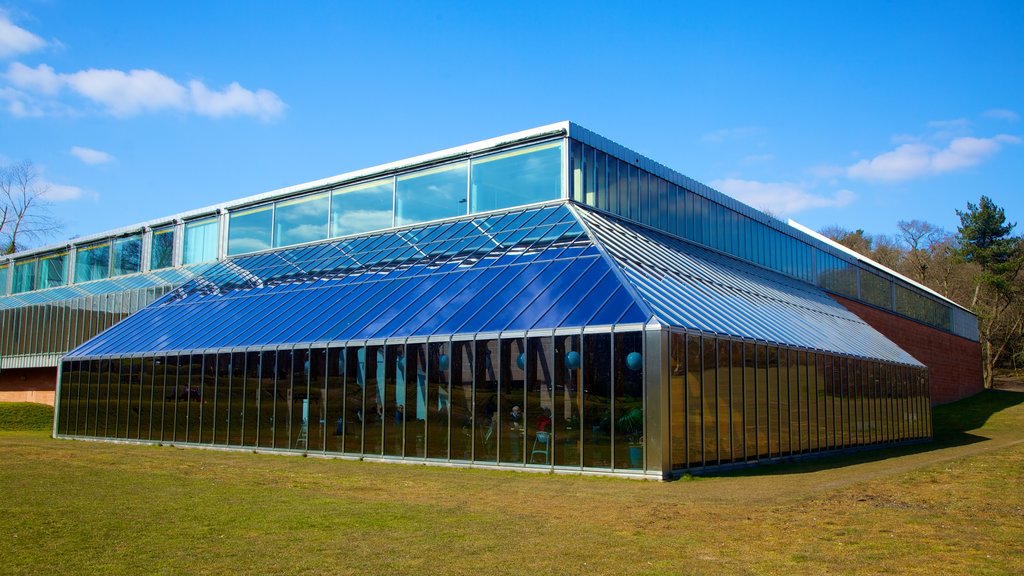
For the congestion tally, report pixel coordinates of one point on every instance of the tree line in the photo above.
(978, 266)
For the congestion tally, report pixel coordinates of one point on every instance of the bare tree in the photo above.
(24, 208)
(922, 240)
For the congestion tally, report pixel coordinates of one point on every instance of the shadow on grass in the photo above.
(956, 424)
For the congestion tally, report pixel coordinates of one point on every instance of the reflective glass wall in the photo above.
(735, 402)
(608, 183)
(58, 326)
(571, 401)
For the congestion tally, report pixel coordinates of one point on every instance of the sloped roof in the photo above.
(692, 287)
(554, 266)
(515, 271)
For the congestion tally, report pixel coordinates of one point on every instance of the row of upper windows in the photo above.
(609, 183)
(509, 178)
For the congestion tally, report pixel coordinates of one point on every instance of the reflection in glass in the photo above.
(597, 401)
(315, 405)
(355, 386)
(394, 400)
(52, 271)
(335, 401)
(462, 401)
(416, 400)
(512, 401)
(283, 398)
(161, 248)
(302, 219)
(126, 257)
(92, 262)
(485, 431)
(362, 208)
(568, 401)
(200, 243)
(438, 400)
(629, 401)
(517, 177)
(431, 194)
(371, 366)
(539, 408)
(249, 230)
(24, 277)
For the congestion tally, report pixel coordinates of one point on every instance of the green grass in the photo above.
(25, 416)
(951, 507)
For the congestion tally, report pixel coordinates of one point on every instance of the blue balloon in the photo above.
(442, 362)
(521, 361)
(634, 361)
(572, 360)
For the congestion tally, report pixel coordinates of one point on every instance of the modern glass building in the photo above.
(546, 299)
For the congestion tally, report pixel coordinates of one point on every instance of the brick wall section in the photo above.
(954, 363)
(28, 385)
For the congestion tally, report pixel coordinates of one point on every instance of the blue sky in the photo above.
(858, 114)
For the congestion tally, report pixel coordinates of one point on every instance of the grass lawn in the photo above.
(955, 506)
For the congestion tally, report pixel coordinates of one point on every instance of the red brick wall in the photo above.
(954, 363)
(28, 385)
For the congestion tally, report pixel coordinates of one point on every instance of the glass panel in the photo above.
(517, 177)
(200, 244)
(394, 400)
(362, 208)
(126, 256)
(371, 366)
(92, 262)
(4, 271)
(539, 407)
(303, 402)
(315, 405)
(513, 399)
(694, 402)
(355, 385)
(236, 399)
(723, 403)
(597, 400)
(266, 368)
(248, 230)
(52, 271)
(677, 399)
(252, 393)
(710, 401)
(438, 400)
(334, 426)
(161, 248)
(431, 194)
(415, 400)
(568, 400)
(301, 220)
(24, 277)
(218, 398)
(462, 401)
(147, 388)
(750, 414)
(485, 393)
(283, 399)
(629, 401)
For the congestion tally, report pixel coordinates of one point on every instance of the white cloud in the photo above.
(16, 40)
(40, 79)
(780, 198)
(1003, 114)
(916, 160)
(127, 93)
(90, 156)
(122, 94)
(235, 101)
(63, 192)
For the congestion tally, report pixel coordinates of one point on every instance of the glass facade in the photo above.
(518, 401)
(515, 178)
(602, 181)
(250, 230)
(738, 402)
(302, 219)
